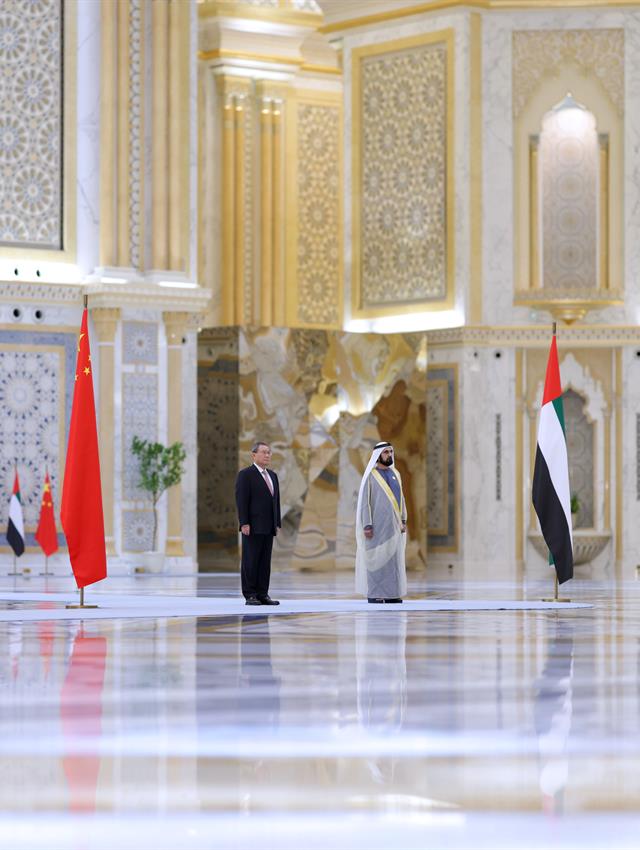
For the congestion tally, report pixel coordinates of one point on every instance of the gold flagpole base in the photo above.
(555, 597)
(80, 604)
(76, 605)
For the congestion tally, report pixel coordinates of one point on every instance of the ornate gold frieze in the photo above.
(540, 53)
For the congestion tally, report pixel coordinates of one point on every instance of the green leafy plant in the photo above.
(575, 503)
(160, 468)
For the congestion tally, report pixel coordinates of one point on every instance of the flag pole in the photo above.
(555, 598)
(46, 566)
(15, 571)
(80, 604)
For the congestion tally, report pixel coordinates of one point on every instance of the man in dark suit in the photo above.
(258, 503)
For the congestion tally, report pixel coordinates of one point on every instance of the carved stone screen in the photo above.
(31, 123)
(580, 448)
(569, 160)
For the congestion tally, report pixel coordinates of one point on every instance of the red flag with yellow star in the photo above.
(46, 533)
(81, 510)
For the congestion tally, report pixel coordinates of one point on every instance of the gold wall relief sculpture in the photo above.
(402, 148)
(568, 169)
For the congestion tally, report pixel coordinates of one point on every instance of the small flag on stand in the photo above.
(46, 533)
(550, 492)
(81, 510)
(15, 529)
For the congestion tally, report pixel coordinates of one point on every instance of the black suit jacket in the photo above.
(256, 506)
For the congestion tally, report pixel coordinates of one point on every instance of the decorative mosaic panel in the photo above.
(580, 449)
(441, 458)
(140, 419)
(540, 53)
(36, 382)
(140, 343)
(318, 214)
(137, 531)
(569, 159)
(403, 232)
(31, 123)
(218, 424)
(436, 456)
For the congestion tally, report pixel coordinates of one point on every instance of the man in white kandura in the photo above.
(381, 525)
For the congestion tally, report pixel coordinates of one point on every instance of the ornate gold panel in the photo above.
(402, 148)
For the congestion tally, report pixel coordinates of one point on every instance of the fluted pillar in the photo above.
(272, 98)
(175, 327)
(171, 124)
(236, 190)
(105, 321)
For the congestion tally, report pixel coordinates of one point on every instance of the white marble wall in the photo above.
(88, 136)
(389, 31)
(630, 458)
(498, 195)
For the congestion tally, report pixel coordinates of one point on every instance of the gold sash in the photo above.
(389, 492)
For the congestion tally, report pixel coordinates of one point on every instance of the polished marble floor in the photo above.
(384, 728)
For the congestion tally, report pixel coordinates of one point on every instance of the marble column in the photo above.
(105, 321)
(175, 327)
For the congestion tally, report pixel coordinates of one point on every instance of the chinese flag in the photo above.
(81, 511)
(46, 533)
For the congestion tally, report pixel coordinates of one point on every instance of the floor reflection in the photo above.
(81, 718)
(329, 716)
(553, 712)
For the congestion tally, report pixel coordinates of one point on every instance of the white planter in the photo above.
(150, 562)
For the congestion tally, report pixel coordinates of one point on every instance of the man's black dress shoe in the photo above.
(253, 600)
(267, 600)
(379, 601)
(393, 600)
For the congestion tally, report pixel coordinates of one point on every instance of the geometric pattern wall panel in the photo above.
(580, 448)
(137, 531)
(31, 59)
(442, 484)
(568, 162)
(319, 238)
(36, 380)
(541, 53)
(403, 175)
(140, 343)
(139, 419)
(218, 424)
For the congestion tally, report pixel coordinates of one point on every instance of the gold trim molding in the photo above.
(484, 5)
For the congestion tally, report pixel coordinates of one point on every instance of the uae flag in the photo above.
(46, 534)
(551, 496)
(81, 507)
(15, 529)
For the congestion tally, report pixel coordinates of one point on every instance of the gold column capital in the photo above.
(230, 86)
(175, 324)
(271, 90)
(105, 320)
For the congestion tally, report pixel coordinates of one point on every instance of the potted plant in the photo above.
(575, 504)
(160, 468)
